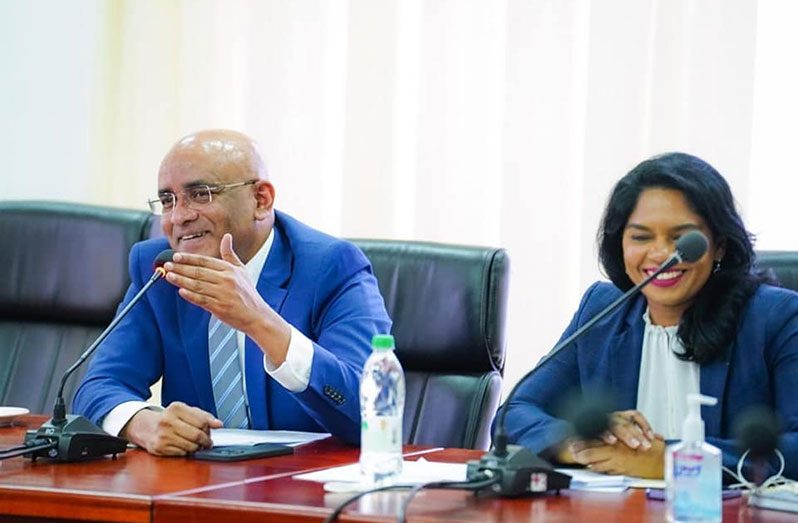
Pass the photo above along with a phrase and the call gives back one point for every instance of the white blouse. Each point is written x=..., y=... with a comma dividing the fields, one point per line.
x=665, y=380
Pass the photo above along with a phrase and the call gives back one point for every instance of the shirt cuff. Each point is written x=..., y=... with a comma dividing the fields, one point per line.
x=294, y=373
x=115, y=421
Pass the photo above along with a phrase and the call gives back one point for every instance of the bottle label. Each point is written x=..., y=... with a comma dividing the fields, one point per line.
x=381, y=434
x=687, y=465
x=696, y=492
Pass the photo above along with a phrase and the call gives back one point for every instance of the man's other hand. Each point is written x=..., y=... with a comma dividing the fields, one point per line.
x=223, y=288
x=176, y=431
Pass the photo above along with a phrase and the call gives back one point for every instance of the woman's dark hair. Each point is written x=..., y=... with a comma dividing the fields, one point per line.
x=708, y=327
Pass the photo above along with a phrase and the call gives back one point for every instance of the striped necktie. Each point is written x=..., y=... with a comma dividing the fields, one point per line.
x=228, y=387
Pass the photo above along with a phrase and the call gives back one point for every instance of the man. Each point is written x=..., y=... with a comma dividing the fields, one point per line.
x=248, y=288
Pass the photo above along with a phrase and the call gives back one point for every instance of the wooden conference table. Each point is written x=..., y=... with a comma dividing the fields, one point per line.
x=138, y=487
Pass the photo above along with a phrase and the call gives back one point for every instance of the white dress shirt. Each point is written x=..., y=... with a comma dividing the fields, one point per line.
x=665, y=380
x=293, y=374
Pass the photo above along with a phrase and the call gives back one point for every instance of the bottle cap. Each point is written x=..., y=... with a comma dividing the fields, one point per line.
x=693, y=426
x=382, y=342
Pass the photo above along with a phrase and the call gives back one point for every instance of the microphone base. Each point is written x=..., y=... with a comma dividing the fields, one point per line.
x=76, y=439
x=522, y=473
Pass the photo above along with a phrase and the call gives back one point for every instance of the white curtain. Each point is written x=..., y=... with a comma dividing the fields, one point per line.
x=499, y=123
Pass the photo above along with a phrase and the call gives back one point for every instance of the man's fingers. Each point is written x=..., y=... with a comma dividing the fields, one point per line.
x=227, y=252
x=191, y=438
x=197, y=286
x=197, y=299
x=198, y=260
x=193, y=272
x=167, y=442
x=176, y=431
x=192, y=433
x=168, y=450
x=190, y=426
x=200, y=418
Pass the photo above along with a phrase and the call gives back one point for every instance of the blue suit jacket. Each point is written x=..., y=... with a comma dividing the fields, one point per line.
x=760, y=368
x=321, y=285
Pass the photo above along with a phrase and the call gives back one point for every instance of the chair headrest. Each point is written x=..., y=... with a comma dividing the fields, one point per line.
x=784, y=265
x=65, y=261
x=448, y=303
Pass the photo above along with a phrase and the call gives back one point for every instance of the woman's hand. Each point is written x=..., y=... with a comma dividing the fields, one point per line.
x=621, y=459
x=632, y=429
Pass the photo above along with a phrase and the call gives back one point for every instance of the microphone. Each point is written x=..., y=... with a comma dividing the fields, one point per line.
x=757, y=431
x=589, y=414
x=75, y=438
x=521, y=470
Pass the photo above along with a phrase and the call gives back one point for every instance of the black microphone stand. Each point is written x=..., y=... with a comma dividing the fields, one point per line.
x=520, y=470
x=75, y=438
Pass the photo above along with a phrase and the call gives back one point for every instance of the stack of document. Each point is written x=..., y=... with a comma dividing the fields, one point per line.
x=779, y=497
x=291, y=438
x=582, y=479
x=347, y=478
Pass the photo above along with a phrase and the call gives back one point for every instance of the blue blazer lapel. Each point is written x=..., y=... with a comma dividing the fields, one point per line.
x=626, y=349
x=713, y=383
x=272, y=287
x=193, y=323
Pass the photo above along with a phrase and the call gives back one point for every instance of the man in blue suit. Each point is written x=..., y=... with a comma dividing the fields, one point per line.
x=294, y=308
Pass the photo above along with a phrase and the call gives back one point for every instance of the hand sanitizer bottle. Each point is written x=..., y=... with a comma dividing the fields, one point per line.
x=693, y=471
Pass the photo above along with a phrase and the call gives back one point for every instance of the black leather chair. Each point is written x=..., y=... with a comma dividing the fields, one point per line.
x=782, y=264
x=64, y=272
x=448, y=304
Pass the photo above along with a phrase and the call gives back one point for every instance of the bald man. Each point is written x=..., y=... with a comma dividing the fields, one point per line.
x=262, y=322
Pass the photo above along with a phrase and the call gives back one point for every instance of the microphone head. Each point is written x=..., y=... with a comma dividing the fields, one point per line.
x=163, y=257
x=757, y=430
x=692, y=246
x=588, y=413
x=591, y=420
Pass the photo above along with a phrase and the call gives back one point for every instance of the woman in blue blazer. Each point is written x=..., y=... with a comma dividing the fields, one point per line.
x=712, y=327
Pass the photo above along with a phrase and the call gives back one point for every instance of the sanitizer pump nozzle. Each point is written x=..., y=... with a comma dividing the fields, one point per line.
x=693, y=426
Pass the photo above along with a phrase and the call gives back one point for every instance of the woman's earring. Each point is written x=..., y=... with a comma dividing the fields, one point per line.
x=716, y=266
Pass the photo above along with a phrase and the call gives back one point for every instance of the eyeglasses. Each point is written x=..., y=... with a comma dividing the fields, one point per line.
x=196, y=195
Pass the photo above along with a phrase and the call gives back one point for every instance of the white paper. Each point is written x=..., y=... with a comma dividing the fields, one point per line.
x=635, y=482
x=588, y=478
x=582, y=479
x=347, y=477
x=413, y=473
x=292, y=438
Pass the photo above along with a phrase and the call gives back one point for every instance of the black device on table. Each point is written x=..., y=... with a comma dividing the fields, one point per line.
x=242, y=452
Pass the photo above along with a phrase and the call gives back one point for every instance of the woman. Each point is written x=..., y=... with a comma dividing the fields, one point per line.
x=711, y=326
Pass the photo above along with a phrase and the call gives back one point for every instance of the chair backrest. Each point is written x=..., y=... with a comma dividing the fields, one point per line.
x=64, y=273
x=783, y=264
x=448, y=305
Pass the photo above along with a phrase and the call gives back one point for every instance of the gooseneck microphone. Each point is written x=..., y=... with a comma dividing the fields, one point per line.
x=75, y=438
x=520, y=469
x=757, y=430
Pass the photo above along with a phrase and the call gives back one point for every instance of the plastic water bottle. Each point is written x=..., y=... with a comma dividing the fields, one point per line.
x=382, y=404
